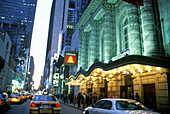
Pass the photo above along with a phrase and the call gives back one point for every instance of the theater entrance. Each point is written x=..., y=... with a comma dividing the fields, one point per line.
x=149, y=96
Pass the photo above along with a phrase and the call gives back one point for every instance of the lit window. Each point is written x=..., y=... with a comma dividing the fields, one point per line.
x=2, y=17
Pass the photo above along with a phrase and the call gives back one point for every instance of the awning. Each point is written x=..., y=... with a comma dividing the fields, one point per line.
x=129, y=65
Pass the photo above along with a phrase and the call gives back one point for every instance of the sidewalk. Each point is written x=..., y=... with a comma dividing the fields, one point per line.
x=71, y=105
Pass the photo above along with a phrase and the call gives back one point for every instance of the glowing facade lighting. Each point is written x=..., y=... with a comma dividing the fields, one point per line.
x=131, y=70
x=121, y=69
x=103, y=75
x=114, y=71
x=124, y=71
x=95, y=74
x=128, y=67
x=158, y=68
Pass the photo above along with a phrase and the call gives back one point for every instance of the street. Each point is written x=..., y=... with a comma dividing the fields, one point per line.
x=24, y=109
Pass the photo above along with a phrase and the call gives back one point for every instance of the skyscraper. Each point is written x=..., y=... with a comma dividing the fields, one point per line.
x=57, y=29
x=17, y=18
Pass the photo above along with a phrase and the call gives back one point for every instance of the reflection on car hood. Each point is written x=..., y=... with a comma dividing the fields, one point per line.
x=138, y=112
x=45, y=102
x=130, y=111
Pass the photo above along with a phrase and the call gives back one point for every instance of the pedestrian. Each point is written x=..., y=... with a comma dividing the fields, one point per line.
x=90, y=99
x=131, y=96
x=137, y=97
x=100, y=96
x=87, y=100
x=94, y=98
x=75, y=99
x=84, y=100
x=79, y=97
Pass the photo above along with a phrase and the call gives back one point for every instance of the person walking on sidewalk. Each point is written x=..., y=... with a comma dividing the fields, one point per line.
x=79, y=98
x=137, y=97
x=84, y=100
x=87, y=100
x=94, y=98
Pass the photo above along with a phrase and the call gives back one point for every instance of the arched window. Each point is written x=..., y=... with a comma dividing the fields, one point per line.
x=124, y=36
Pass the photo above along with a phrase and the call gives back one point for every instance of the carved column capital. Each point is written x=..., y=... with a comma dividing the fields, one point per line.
x=108, y=6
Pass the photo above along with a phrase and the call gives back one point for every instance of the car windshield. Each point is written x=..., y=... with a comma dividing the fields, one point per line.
x=44, y=98
x=130, y=105
x=15, y=95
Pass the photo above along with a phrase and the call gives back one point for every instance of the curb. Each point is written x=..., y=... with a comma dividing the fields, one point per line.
x=72, y=106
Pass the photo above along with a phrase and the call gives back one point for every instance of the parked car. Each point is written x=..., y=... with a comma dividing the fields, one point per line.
x=4, y=102
x=118, y=106
x=44, y=103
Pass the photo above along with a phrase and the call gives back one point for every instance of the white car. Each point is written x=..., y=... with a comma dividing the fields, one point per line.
x=118, y=106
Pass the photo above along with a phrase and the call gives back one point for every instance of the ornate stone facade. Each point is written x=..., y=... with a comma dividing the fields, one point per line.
x=112, y=29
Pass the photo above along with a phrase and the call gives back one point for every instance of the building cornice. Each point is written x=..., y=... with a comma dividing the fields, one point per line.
x=88, y=13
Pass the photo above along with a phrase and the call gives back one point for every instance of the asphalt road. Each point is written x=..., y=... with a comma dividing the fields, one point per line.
x=24, y=109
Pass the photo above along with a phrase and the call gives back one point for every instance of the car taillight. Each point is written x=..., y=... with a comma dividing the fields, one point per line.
x=57, y=105
x=18, y=98
x=0, y=101
x=33, y=105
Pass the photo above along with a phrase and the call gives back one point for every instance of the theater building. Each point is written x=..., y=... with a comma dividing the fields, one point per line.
x=124, y=48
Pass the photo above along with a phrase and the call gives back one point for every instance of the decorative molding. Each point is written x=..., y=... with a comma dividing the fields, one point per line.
x=88, y=13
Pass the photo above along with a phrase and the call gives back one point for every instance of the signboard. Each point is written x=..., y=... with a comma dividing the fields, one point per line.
x=56, y=56
x=70, y=58
x=18, y=73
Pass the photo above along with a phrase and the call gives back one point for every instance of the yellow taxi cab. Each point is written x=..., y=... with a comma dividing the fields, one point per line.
x=44, y=103
x=16, y=98
x=29, y=95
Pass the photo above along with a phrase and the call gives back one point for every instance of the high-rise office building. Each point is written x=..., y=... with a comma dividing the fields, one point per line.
x=57, y=29
x=17, y=18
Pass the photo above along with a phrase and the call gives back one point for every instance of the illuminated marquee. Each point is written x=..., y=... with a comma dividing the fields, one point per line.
x=70, y=58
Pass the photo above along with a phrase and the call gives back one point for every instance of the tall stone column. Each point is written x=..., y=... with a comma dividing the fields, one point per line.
x=150, y=41
x=79, y=54
x=134, y=31
x=92, y=43
x=84, y=50
x=107, y=32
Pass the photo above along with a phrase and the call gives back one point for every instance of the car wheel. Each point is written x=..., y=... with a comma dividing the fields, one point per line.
x=87, y=112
